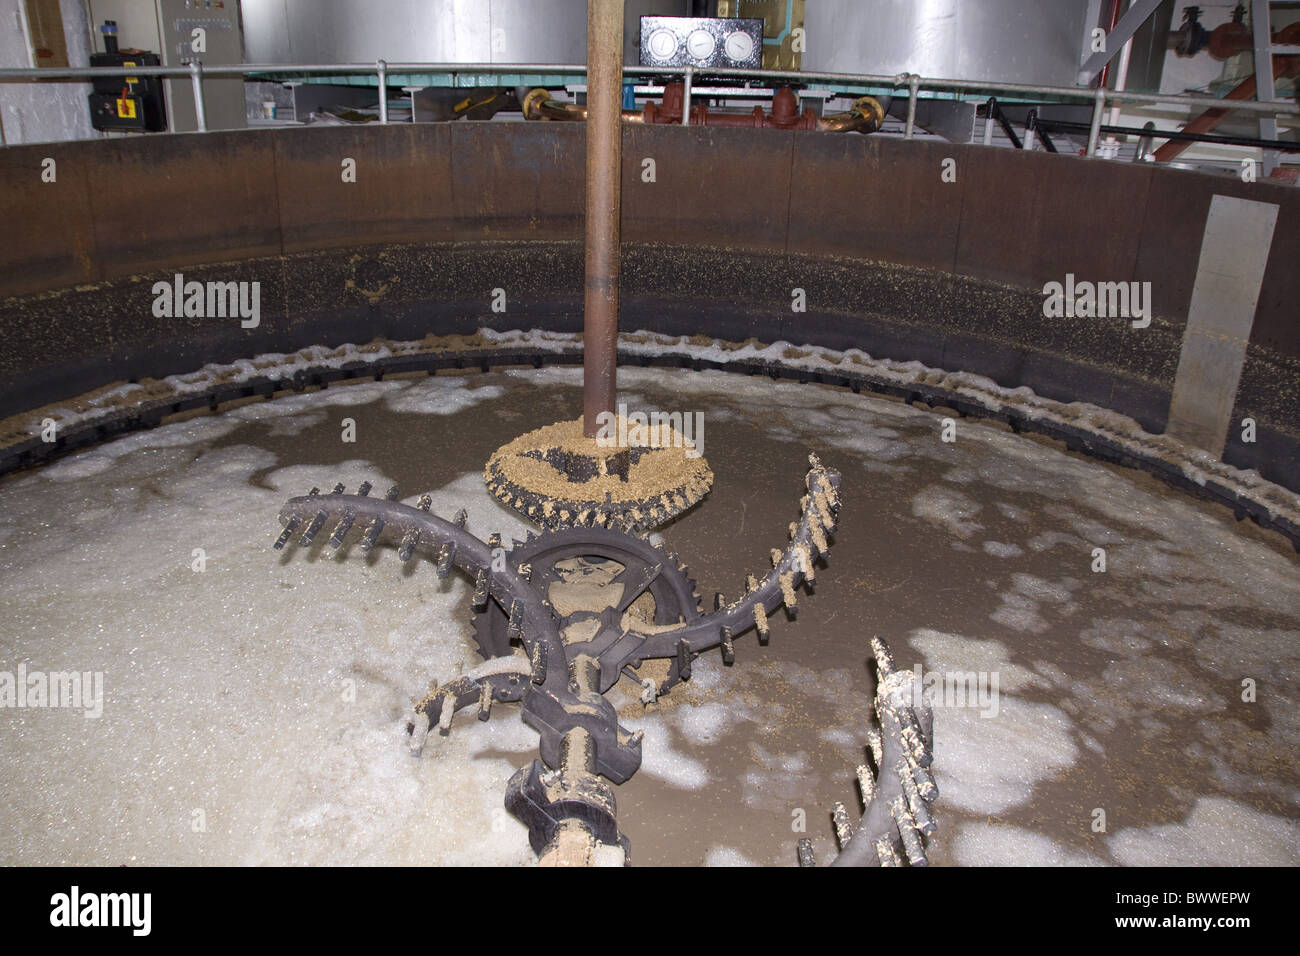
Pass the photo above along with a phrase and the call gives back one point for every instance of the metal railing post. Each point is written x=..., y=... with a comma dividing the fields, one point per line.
x=382, y=69
x=913, y=88
x=1094, y=133
x=1264, y=87
x=686, y=96
x=200, y=113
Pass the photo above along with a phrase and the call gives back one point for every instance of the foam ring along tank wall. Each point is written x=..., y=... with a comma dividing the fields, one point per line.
x=893, y=260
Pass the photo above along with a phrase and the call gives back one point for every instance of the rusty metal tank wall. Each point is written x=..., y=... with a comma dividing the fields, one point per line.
x=893, y=260
x=1011, y=41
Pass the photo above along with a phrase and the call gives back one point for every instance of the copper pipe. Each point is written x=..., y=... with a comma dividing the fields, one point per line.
x=1114, y=20
x=865, y=116
x=539, y=105
x=1232, y=38
x=1245, y=90
x=1283, y=66
x=604, y=179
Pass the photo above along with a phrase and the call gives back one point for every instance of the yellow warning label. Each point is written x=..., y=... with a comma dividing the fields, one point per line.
x=131, y=79
x=126, y=109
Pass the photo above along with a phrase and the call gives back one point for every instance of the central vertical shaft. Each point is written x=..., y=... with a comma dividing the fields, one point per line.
x=604, y=178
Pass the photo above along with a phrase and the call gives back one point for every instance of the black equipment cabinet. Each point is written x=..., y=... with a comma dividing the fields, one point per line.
x=132, y=103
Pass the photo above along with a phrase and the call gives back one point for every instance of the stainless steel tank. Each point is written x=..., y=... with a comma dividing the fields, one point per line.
x=431, y=31
x=1013, y=41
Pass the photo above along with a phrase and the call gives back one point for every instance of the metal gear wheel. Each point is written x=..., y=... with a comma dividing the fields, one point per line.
x=591, y=574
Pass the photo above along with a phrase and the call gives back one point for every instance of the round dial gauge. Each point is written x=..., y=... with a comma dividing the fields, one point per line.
x=701, y=44
x=662, y=43
x=739, y=46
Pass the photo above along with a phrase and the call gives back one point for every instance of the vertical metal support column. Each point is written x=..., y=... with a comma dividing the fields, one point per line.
x=604, y=180
x=381, y=68
x=687, y=83
x=1260, y=22
x=200, y=113
x=913, y=88
x=1094, y=133
x=410, y=92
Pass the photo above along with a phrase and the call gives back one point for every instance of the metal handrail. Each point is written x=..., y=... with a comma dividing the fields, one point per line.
x=1100, y=98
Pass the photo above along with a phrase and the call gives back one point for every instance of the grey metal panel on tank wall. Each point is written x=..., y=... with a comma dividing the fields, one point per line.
x=1013, y=41
x=223, y=97
x=429, y=31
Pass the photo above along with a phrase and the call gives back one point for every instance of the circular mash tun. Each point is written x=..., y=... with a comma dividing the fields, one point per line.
x=1005, y=509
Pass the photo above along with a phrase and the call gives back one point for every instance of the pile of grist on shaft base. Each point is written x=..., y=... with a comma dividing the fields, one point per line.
x=557, y=477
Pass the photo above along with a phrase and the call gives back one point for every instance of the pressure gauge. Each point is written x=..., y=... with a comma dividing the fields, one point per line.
x=739, y=46
x=701, y=44
x=662, y=44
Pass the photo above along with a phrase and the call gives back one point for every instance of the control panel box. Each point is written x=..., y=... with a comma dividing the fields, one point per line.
x=132, y=103
x=183, y=32
x=702, y=42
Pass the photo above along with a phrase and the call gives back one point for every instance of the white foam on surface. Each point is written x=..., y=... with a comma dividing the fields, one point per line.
x=266, y=697
x=1020, y=613
x=999, y=844
x=987, y=765
x=949, y=509
x=845, y=740
x=1012, y=511
x=441, y=395
x=705, y=723
x=1001, y=549
x=778, y=781
x=661, y=758
x=956, y=653
x=1218, y=830
x=726, y=856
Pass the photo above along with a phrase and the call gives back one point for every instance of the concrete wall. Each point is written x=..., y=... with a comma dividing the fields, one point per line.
x=52, y=112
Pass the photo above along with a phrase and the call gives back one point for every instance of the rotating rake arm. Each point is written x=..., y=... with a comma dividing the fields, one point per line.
x=896, y=798
x=387, y=520
x=561, y=699
x=498, y=679
x=415, y=530
x=809, y=540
